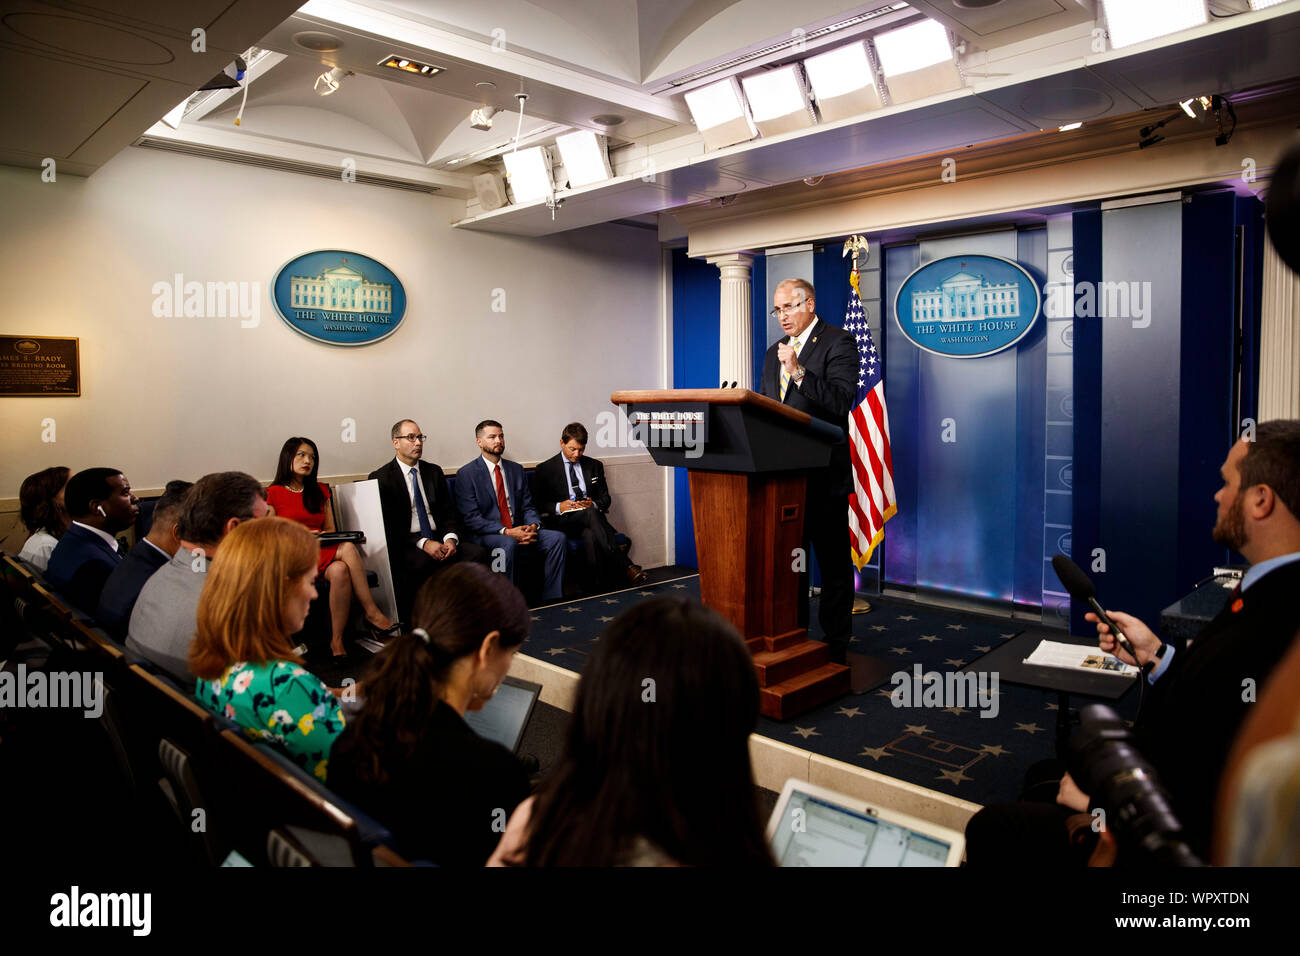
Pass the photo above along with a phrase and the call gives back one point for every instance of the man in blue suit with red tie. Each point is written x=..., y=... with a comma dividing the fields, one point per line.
x=496, y=507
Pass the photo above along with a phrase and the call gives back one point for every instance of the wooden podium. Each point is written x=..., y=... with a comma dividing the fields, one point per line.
x=747, y=456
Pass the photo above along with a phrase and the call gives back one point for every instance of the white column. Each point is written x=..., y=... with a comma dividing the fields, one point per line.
x=736, y=358
x=1279, y=346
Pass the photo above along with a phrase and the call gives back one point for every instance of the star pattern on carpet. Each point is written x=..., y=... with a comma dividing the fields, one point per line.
x=604, y=620
x=680, y=587
x=954, y=662
x=875, y=753
x=806, y=732
x=535, y=618
x=886, y=693
x=610, y=601
x=906, y=617
x=646, y=593
x=996, y=750
x=919, y=729
x=929, y=637
x=1005, y=636
x=556, y=650
x=879, y=627
x=573, y=610
x=1029, y=728
x=953, y=776
x=563, y=628
x=853, y=640
x=849, y=712
x=901, y=650
x=955, y=627
x=1051, y=706
x=983, y=648
x=956, y=711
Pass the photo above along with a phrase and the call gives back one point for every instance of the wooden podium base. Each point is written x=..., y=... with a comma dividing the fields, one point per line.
x=795, y=674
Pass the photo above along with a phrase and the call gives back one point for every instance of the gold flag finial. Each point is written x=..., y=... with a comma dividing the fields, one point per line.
x=858, y=246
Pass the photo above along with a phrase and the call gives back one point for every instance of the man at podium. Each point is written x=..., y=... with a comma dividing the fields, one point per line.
x=814, y=368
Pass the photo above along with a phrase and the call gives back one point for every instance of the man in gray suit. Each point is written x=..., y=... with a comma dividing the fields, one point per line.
x=163, y=621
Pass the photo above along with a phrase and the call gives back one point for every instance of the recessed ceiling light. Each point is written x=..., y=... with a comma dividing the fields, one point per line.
x=405, y=65
x=607, y=119
x=317, y=42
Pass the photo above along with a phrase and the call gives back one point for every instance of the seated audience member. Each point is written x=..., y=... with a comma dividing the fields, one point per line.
x=296, y=494
x=40, y=502
x=243, y=661
x=496, y=507
x=101, y=505
x=149, y=554
x=162, y=622
x=655, y=771
x=1258, y=823
x=421, y=525
x=569, y=491
x=1195, y=704
x=408, y=757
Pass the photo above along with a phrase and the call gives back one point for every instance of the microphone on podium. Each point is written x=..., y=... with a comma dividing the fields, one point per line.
x=1081, y=588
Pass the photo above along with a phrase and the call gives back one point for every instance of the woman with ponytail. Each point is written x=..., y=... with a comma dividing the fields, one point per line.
x=408, y=757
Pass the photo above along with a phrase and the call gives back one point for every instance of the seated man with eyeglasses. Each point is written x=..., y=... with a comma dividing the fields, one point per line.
x=421, y=523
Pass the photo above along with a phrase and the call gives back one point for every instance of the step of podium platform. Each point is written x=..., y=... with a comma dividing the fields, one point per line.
x=778, y=643
x=793, y=696
x=776, y=666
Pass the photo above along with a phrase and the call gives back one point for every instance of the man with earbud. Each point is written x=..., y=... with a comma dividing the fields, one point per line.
x=101, y=505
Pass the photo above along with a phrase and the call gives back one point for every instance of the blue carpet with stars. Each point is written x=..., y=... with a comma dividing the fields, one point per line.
x=952, y=750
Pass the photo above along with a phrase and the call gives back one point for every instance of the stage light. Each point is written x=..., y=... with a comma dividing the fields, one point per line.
x=328, y=82
x=778, y=100
x=917, y=60
x=1128, y=22
x=481, y=118
x=1067, y=127
x=585, y=158
x=1264, y=4
x=529, y=174
x=842, y=82
x=720, y=114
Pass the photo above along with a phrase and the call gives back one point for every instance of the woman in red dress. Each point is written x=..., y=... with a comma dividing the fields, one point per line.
x=296, y=494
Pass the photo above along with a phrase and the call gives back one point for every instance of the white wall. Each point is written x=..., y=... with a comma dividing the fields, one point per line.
x=179, y=397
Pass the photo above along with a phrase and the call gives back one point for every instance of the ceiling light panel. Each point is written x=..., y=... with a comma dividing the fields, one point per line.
x=720, y=114
x=913, y=47
x=529, y=174
x=778, y=100
x=585, y=158
x=842, y=82
x=1128, y=22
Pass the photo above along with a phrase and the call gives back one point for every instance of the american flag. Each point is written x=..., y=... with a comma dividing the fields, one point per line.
x=872, y=502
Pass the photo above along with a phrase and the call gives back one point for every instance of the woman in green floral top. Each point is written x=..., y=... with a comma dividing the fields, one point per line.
x=258, y=593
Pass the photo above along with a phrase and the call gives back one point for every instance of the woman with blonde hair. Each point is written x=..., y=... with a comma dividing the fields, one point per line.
x=256, y=595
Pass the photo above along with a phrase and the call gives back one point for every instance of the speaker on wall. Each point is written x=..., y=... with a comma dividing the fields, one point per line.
x=491, y=191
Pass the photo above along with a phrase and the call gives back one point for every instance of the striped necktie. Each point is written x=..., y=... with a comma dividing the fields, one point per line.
x=785, y=376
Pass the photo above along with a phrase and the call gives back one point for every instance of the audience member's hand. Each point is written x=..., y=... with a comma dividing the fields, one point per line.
x=435, y=549
x=530, y=534
x=1069, y=794
x=449, y=548
x=585, y=503
x=566, y=506
x=518, y=532
x=1139, y=635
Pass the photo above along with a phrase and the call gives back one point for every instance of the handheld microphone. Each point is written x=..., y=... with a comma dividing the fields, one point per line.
x=1081, y=588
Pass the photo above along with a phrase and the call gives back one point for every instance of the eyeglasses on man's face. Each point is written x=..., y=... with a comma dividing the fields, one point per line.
x=779, y=310
x=413, y=438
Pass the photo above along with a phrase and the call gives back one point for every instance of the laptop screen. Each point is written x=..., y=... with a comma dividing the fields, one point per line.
x=504, y=717
x=816, y=832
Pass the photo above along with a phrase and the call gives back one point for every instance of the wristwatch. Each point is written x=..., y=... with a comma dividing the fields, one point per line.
x=799, y=372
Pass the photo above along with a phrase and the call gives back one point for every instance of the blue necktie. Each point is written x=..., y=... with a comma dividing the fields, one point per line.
x=421, y=512
x=574, y=488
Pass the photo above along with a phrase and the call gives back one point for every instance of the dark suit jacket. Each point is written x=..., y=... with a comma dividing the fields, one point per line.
x=79, y=565
x=826, y=392
x=395, y=501
x=1191, y=714
x=476, y=497
x=551, y=483
x=123, y=586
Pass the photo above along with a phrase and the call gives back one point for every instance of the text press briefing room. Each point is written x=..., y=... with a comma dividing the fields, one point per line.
x=934, y=363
